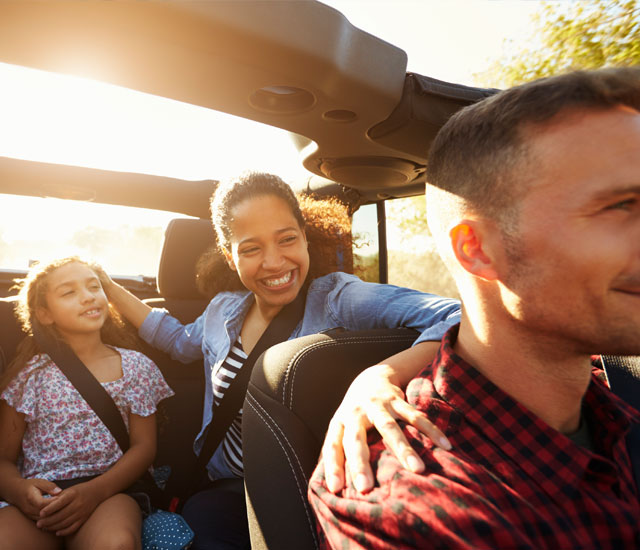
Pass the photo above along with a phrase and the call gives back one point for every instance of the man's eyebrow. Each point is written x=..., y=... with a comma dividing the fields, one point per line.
x=617, y=191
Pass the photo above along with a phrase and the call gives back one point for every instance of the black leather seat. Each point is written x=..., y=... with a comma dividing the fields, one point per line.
x=294, y=390
x=185, y=241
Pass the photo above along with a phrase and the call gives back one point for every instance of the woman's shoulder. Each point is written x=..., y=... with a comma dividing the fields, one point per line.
x=226, y=304
x=228, y=297
x=332, y=280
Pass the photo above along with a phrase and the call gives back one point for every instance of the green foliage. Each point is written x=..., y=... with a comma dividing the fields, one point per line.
x=587, y=34
x=409, y=214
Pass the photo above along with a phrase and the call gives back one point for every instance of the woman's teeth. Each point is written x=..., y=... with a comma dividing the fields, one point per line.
x=277, y=282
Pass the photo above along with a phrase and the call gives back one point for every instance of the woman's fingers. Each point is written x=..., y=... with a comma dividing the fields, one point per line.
x=404, y=411
x=356, y=453
x=333, y=456
x=395, y=440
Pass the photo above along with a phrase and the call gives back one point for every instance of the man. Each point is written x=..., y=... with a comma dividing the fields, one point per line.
x=534, y=201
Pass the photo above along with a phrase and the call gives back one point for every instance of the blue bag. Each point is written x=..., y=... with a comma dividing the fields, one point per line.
x=163, y=530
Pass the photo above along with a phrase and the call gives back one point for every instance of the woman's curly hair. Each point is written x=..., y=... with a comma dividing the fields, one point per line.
x=326, y=222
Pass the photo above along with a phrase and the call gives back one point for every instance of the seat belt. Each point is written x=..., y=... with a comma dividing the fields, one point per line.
x=97, y=398
x=623, y=375
x=279, y=330
x=87, y=385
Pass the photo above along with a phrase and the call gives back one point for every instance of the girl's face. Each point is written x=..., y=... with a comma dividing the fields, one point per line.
x=269, y=251
x=75, y=301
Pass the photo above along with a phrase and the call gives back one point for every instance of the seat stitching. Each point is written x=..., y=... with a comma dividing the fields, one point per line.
x=300, y=492
x=331, y=343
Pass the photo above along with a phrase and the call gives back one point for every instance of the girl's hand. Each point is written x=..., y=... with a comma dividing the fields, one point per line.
x=66, y=513
x=372, y=400
x=30, y=496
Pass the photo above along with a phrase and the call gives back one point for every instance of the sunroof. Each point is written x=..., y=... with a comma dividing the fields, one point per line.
x=69, y=120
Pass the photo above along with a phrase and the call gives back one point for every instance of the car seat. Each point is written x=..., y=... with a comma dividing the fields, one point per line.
x=294, y=390
x=186, y=239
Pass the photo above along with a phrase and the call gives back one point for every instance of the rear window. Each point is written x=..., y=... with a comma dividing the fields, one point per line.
x=124, y=240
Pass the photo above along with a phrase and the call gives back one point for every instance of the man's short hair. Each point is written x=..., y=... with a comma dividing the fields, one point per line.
x=479, y=152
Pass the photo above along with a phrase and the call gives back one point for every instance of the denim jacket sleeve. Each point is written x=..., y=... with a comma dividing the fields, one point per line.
x=182, y=342
x=357, y=305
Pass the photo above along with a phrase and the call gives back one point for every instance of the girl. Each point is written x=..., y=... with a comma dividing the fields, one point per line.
x=261, y=238
x=49, y=436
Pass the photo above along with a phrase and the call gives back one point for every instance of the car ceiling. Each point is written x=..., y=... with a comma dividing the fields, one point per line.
x=357, y=117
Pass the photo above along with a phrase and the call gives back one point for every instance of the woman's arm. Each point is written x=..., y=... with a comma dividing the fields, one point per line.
x=66, y=513
x=129, y=306
x=376, y=399
x=26, y=494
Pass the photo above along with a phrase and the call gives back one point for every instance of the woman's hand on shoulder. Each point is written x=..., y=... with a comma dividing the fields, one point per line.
x=375, y=399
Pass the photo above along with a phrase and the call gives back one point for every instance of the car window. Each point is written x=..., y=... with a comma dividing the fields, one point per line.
x=124, y=240
x=413, y=259
x=364, y=228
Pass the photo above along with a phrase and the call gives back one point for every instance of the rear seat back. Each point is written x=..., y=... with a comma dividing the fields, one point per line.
x=294, y=390
x=185, y=241
x=11, y=333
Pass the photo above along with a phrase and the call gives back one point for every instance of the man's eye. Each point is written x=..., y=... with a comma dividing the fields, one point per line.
x=67, y=293
x=626, y=204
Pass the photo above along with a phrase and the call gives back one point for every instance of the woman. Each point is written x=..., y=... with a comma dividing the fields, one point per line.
x=261, y=237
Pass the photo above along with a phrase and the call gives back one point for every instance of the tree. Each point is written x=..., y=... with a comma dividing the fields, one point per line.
x=588, y=34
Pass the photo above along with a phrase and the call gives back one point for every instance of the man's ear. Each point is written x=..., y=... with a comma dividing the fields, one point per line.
x=44, y=316
x=229, y=258
x=471, y=249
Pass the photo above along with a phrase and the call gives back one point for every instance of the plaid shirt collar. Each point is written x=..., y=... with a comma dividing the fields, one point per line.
x=544, y=453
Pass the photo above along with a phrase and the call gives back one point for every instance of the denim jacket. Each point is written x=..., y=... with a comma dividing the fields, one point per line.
x=333, y=301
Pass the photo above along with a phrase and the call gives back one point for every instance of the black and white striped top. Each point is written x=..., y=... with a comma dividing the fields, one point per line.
x=232, y=443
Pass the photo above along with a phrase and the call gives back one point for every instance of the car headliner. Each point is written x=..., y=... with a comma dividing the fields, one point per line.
x=357, y=117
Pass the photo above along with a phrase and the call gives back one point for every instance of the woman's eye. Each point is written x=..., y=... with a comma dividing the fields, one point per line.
x=289, y=239
x=67, y=293
x=247, y=251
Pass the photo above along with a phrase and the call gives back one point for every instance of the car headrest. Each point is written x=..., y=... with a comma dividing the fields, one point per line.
x=185, y=240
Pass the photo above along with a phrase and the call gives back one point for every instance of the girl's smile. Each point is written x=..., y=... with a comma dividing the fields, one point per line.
x=76, y=302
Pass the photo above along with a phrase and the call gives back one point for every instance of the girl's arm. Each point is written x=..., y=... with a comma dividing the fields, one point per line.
x=26, y=494
x=376, y=399
x=66, y=513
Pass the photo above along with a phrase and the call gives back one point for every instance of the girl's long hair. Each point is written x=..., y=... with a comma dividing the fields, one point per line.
x=32, y=295
x=326, y=222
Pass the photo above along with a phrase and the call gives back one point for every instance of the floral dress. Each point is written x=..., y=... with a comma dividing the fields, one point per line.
x=64, y=438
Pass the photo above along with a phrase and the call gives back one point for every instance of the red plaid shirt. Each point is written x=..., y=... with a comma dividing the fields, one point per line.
x=510, y=481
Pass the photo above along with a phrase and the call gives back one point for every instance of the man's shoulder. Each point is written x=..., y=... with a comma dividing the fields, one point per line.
x=449, y=505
